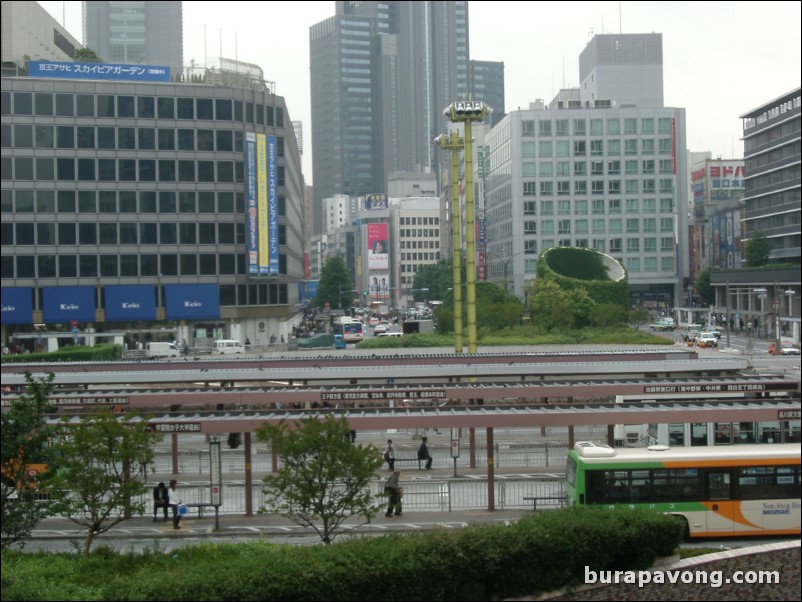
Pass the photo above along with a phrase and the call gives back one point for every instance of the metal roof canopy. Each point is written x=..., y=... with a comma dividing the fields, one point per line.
x=193, y=373
x=505, y=416
x=648, y=388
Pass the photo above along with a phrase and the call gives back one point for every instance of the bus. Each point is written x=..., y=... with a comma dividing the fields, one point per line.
x=733, y=491
x=349, y=328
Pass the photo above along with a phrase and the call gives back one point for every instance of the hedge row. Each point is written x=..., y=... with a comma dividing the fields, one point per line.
x=71, y=353
x=539, y=553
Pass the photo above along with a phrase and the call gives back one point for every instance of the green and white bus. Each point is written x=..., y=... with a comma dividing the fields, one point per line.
x=731, y=491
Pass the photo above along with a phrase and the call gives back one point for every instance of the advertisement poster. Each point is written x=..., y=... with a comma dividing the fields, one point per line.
x=378, y=255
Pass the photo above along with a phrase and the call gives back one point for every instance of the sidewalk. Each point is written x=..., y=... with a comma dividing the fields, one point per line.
x=269, y=525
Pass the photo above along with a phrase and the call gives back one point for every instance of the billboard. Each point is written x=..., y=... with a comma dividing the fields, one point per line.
x=376, y=201
x=105, y=71
x=66, y=304
x=252, y=211
x=129, y=302
x=17, y=306
x=192, y=301
x=261, y=195
x=379, y=286
x=378, y=255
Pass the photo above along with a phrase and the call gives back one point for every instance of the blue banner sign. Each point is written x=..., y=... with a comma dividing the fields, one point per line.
x=192, y=301
x=65, y=304
x=130, y=302
x=106, y=71
x=17, y=304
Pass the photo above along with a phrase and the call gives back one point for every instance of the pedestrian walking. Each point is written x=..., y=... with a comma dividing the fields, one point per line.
x=394, y=490
x=423, y=453
x=389, y=455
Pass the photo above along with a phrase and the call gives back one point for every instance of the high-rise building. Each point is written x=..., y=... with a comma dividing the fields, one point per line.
x=142, y=32
x=486, y=82
x=381, y=75
x=593, y=172
x=625, y=67
x=771, y=155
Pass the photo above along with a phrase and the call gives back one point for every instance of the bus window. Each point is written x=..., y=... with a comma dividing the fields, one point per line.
x=718, y=484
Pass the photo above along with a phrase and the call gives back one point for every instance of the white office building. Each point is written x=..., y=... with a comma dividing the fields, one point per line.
x=609, y=174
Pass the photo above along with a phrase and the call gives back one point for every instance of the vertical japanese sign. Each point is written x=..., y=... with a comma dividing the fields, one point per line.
x=264, y=233
x=252, y=223
x=272, y=204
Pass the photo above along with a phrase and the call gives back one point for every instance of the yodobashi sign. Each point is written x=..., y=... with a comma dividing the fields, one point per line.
x=68, y=303
x=129, y=302
x=192, y=301
x=17, y=306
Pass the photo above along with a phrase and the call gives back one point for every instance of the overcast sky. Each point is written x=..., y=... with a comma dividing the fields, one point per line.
x=720, y=60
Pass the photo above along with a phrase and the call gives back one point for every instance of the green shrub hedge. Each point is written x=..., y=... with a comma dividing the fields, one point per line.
x=72, y=353
x=540, y=553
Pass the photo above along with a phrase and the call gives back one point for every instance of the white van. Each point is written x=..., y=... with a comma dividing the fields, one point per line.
x=161, y=350
x=228, y=346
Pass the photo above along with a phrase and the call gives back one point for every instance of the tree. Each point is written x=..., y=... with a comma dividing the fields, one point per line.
x=638, y=316
x=703, y=287
x=335, y=284
x=553, y=307
x=606, y=315
x=324, y=477
x=24, y=449
x=437, y=278
x=87, y=55
x=94, y=480
x=757, y=250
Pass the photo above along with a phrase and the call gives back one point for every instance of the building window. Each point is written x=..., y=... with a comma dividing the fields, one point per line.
x=544, y=128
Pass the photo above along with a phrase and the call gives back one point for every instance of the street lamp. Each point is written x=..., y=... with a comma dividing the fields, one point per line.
x=789, y=294
x=455, y=144
x=466, y=112
x=761, y=294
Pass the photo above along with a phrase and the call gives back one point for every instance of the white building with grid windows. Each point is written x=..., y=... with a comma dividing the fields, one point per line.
x=609, y=174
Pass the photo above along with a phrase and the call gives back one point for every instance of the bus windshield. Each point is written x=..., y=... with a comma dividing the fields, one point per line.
x=350, y=329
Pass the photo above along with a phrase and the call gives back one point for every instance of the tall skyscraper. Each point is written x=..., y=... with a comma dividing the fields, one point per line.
x=381, y=75
x=147, y=33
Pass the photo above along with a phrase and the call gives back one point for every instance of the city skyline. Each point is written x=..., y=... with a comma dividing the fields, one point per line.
x=716, y=78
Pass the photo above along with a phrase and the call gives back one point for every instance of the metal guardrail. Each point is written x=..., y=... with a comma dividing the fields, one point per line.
x=546, y=454
x=432, y=495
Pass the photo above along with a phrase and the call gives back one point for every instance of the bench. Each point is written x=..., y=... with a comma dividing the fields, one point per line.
x=415, y=459
x=546, y=498
x=199, y=507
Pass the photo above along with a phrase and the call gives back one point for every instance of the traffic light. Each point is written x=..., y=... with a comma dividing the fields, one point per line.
x=234, y=440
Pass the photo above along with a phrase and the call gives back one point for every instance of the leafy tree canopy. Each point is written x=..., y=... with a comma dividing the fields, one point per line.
x=24, y=449
x=703, y=287
x=438, y=278
x=335, y=284
x=324, y=478
x=96, y=461
x=757, y=250
x=87, y=55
